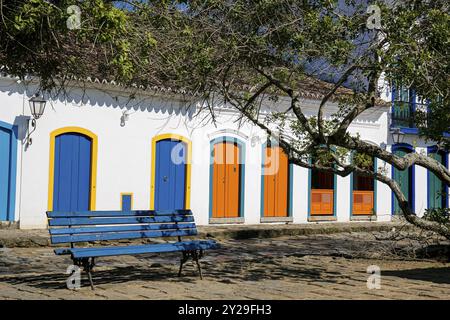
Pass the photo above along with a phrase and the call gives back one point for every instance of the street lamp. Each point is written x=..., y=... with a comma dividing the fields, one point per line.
x=37, y=108
x=397, y=135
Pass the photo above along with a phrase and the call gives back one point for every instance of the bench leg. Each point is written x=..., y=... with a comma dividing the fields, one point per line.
x=183, y=260
x=87, y=267
x=196, y=257
x=90, y=280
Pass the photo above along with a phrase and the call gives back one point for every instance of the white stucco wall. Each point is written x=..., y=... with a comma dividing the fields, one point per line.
x=124, y=152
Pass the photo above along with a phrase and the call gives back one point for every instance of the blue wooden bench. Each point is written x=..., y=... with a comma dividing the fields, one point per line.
x=93, y=226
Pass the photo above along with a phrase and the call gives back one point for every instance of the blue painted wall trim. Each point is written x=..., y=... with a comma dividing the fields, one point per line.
x=309, y=191
x=261, y=201
x=406, y=146
x=375, y=189
x=447, y=158
x=241, y=146
x=351, y=194
x=291, y=189
x=394, y=92
x=409, y=130
x=12, y=169
x=410, y=148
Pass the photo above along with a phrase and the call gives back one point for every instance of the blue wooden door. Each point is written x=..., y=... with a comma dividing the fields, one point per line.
x=436, y=188
x=170, y=180
x=72, y=180
x=5, y=172
x=404, y=179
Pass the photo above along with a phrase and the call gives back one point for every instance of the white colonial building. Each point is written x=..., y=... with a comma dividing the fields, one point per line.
x=97, y=149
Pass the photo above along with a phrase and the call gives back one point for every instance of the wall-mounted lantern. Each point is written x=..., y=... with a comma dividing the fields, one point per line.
x=37, y=108
x=397, y=135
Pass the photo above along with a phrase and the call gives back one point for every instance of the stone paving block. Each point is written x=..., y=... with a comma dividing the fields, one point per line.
x=294, y=267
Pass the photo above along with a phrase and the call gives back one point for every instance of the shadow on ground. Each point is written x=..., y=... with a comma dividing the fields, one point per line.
x=435, y=275
x=236, y=261
x=115, y=276
x=259, y=269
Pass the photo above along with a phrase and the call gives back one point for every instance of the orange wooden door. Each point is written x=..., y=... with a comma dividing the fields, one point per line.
x=322, y=201
x=363, y=202
x=226, y=180
x=276, y=182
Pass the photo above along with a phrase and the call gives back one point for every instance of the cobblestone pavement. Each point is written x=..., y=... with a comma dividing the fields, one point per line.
x=300, y=267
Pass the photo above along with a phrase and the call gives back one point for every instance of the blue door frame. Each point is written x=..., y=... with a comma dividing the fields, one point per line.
x=8, y=170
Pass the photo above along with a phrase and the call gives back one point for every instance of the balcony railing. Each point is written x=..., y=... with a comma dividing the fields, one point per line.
x=403, y=115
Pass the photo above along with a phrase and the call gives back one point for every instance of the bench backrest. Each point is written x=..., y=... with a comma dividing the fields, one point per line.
x=87, y=226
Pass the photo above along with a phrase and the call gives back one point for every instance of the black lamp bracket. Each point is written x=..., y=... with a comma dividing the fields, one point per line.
x=29, y=140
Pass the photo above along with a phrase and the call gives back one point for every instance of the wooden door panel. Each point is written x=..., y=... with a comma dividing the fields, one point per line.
x=219, y=182
x=226, y=180
x=170, y=186
x=269, y=184
x=232, y=180
x=363, y=202
x=276, y=182
x=322, y=201
x=5, y=156
x=72, y=177
x=282, y=184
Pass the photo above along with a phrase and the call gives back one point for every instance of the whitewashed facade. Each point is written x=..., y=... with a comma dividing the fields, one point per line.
x=124, y=155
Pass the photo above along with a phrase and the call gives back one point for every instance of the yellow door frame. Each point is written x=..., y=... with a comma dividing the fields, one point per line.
x=94, y=146
x=187, y=192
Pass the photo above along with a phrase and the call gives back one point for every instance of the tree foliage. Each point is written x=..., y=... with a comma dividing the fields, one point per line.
x=248, y=54
x=35, y=40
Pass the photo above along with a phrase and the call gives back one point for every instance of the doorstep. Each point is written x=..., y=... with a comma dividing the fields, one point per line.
x=322, y=219
x=226, y=220
x=276, y=219
x=9, y=225
x=363, y=218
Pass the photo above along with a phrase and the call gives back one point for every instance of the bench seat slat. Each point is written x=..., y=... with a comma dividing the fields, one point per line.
x=121, y=235
x=80, y=214
x=130, y=250
x=119, y=228
x=127, y=220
